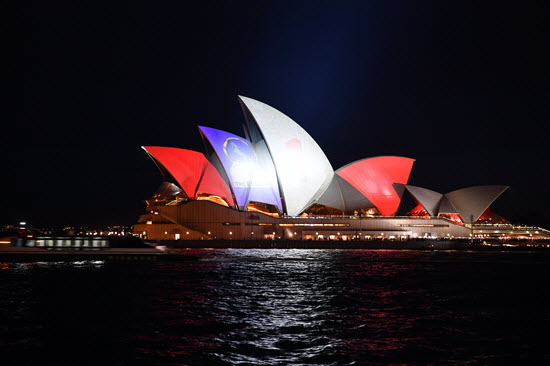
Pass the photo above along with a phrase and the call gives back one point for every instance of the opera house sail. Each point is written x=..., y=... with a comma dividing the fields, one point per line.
x=303, y=170
x=276, y=182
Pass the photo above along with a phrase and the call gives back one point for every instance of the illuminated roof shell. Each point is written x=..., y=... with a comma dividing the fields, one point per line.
x=375, y=178
x=446, y=207
x=249, y=176
x=429, y=199
x=190, y=170
x=303, y=170
x=471, y=202
x=343, y=196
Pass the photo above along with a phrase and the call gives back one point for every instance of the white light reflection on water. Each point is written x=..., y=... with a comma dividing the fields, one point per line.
x=26, y=266
x=286, y=295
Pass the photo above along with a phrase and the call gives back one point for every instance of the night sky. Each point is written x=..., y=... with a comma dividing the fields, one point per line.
x=460, y=87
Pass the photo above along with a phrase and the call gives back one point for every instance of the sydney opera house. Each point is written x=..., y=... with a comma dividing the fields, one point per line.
x=276, y=182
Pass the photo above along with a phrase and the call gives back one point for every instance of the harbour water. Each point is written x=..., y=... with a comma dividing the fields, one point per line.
x=280, y=307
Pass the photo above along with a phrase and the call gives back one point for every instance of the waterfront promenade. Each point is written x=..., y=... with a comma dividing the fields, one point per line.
x=171, y=250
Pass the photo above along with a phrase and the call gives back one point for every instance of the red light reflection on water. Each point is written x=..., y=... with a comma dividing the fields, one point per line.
x=377, y=317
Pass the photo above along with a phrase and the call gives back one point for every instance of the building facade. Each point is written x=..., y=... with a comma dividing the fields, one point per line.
x=276, y=182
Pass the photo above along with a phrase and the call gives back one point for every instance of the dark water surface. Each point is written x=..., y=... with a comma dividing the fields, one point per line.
x=280, y=307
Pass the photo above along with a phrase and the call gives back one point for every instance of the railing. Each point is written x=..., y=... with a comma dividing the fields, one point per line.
x=364, y=217
x=511, y=227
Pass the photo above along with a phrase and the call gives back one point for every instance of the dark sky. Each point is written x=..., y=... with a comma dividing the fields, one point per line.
x=458, y=86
